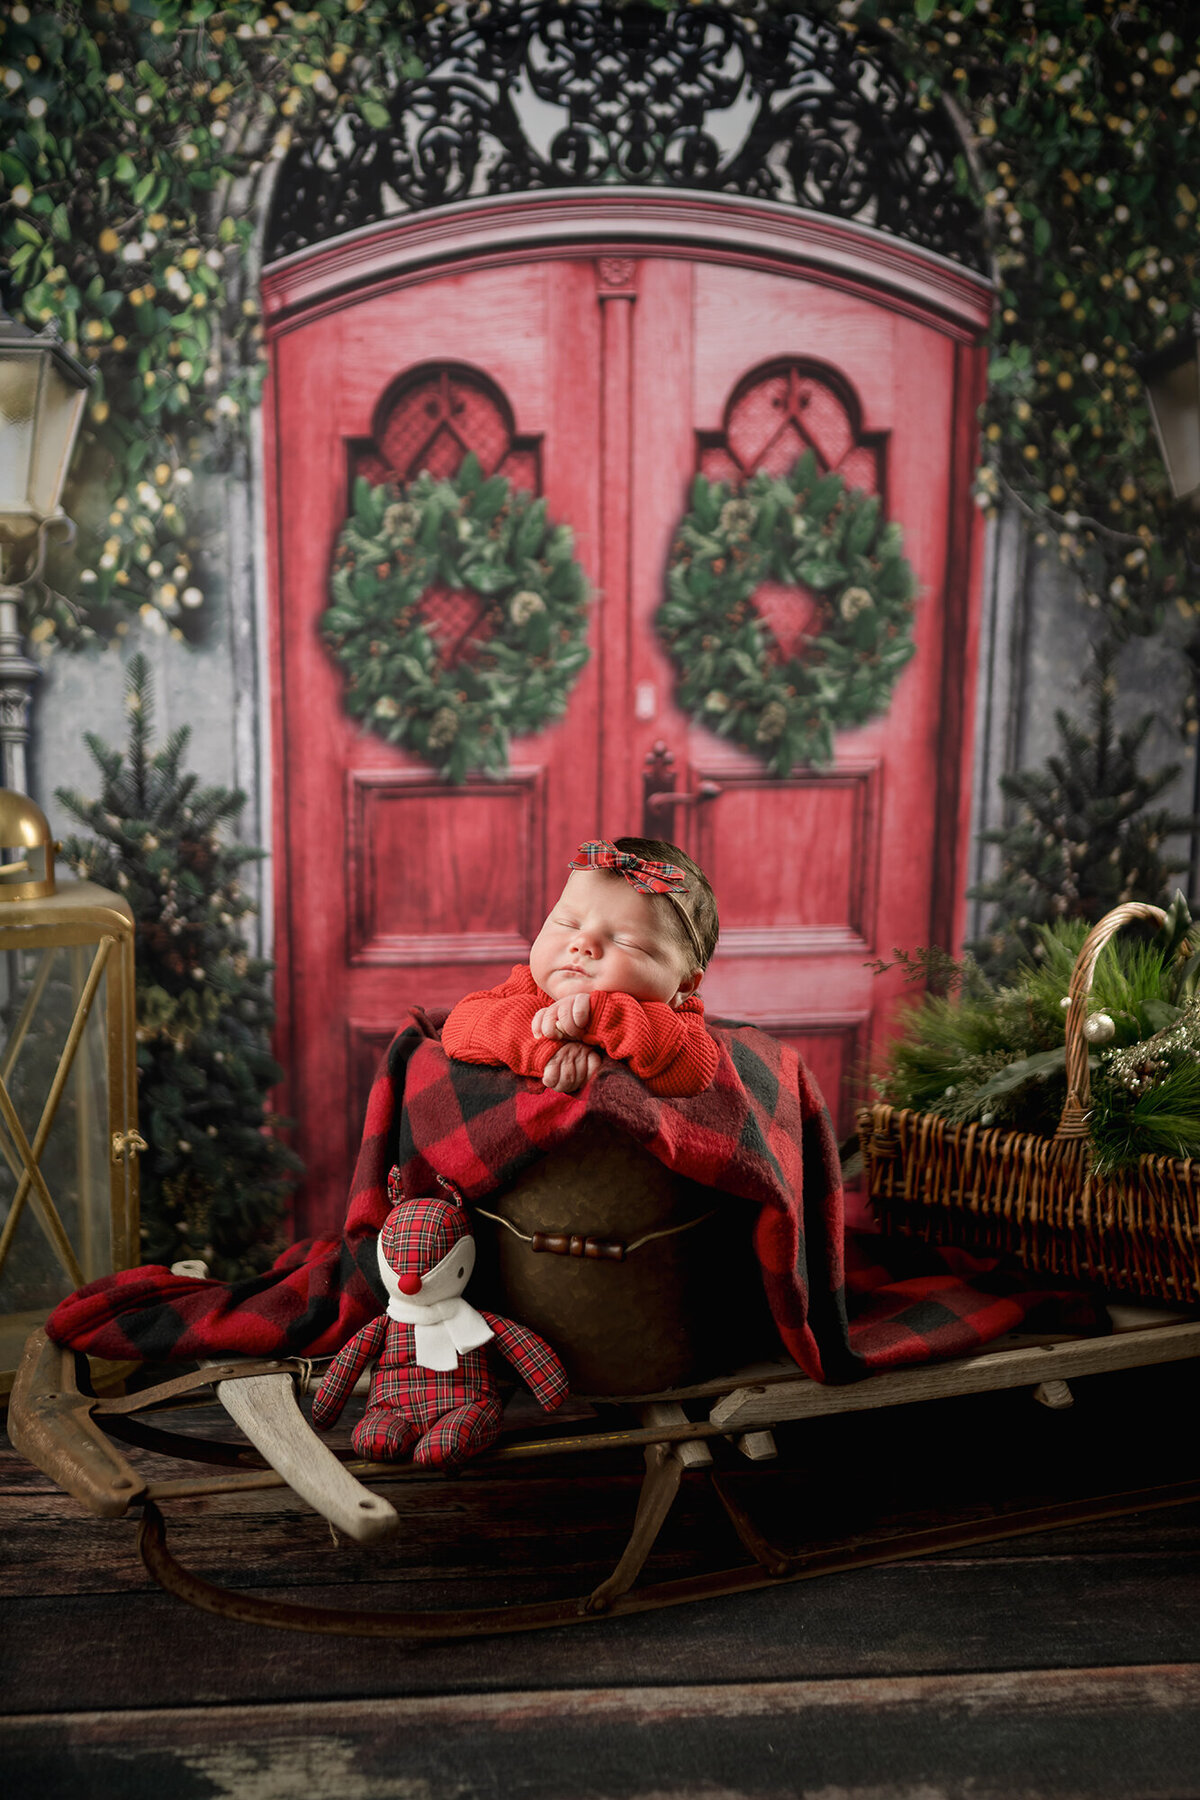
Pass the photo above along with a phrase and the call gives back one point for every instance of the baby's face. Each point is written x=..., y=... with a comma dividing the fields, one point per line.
x=605, y=937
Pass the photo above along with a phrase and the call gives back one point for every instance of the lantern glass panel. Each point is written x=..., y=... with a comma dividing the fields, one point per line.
x=56, y=1225
x=58, y=422
x=18, y=415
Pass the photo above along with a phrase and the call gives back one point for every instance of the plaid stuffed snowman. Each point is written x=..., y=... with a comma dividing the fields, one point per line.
x=432, y=1394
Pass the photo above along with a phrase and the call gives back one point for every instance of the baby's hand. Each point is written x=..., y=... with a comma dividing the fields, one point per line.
x=570, y=1067
x=563, y=1018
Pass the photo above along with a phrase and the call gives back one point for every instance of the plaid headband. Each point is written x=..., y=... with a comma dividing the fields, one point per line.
x=646, y=876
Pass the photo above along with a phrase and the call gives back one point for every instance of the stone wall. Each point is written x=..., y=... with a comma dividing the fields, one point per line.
x=218, y=686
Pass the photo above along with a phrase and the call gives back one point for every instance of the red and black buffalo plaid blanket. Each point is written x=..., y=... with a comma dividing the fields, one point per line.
x=759, y=1131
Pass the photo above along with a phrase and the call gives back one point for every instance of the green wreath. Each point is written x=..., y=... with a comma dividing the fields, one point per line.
x=733, y=676
x=515, y=661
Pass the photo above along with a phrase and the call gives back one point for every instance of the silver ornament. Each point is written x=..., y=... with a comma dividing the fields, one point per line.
x=1098, y=1028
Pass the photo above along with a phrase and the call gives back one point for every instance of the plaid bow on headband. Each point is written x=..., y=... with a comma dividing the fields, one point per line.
x=646, y=876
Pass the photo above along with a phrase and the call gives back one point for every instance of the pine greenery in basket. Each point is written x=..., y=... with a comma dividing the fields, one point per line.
x=215, y=1178
x=995, y=1053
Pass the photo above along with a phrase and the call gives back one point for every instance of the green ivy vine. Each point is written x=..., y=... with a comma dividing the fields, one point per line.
x=134, y=133
x=1080, y=128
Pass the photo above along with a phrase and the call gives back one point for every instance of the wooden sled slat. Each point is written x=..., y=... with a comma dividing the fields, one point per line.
x=265, y=1408
x=752, y=1407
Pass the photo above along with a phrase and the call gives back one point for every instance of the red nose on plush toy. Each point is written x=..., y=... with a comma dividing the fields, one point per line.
x=409, y=1284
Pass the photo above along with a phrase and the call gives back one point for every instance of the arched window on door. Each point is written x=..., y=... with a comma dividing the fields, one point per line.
x=781, y=409
x=431, y=417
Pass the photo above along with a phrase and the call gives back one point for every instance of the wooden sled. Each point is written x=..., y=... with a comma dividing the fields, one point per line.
x=75, y=1438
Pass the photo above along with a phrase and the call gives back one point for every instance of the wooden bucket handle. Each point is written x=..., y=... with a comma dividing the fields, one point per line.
x=1073, y=1123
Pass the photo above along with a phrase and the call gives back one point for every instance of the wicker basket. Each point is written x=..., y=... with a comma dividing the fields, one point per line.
x=1035, y=1197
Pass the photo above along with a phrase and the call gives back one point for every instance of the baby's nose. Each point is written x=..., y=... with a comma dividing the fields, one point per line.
x=409, y=1284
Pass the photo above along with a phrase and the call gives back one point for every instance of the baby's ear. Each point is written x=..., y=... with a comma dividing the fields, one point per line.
x=687, y=987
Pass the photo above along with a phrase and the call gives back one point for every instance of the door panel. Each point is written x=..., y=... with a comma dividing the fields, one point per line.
x=444, y=875
x=775, y=902
x=811, y=873
x=395, y=888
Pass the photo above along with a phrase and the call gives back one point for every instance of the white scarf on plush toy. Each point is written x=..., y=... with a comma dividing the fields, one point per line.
x=443, y=1329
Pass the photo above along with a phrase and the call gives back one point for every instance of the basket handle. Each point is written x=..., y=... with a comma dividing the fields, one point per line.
x=1073, y=1123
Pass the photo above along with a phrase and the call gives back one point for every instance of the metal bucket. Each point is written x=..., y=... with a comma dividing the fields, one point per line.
x=640, y=1278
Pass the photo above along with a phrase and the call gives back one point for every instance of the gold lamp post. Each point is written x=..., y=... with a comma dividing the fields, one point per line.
x=68, y=1066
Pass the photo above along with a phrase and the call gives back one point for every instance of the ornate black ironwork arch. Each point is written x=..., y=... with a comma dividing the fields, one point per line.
x=536, y=95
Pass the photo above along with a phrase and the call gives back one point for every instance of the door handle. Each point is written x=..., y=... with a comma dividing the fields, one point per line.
x=661, y=802
x=659, y=793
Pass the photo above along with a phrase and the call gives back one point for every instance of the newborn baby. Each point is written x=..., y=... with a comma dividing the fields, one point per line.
x=614, y=969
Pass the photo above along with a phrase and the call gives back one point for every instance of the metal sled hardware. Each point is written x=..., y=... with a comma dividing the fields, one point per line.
x=75, y=1438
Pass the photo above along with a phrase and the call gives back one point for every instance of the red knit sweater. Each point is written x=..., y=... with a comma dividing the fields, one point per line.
x=668, y=1047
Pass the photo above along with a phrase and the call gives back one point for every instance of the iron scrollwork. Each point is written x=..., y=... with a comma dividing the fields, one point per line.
x=537, y=95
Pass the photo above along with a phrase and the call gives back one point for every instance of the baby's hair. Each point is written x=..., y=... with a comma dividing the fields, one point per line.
x=699, y=903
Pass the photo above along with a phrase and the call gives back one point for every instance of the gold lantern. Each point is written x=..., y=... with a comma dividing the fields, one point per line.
x=68, y=1081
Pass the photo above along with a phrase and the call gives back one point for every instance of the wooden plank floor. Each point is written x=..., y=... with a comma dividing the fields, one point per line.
x=1063, y=1665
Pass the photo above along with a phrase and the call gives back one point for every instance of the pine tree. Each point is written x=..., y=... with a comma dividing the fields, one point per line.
x=215, y=1177
x=1083, y=839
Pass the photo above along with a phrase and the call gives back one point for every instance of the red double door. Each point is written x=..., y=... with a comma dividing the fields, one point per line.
x=604, y=375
